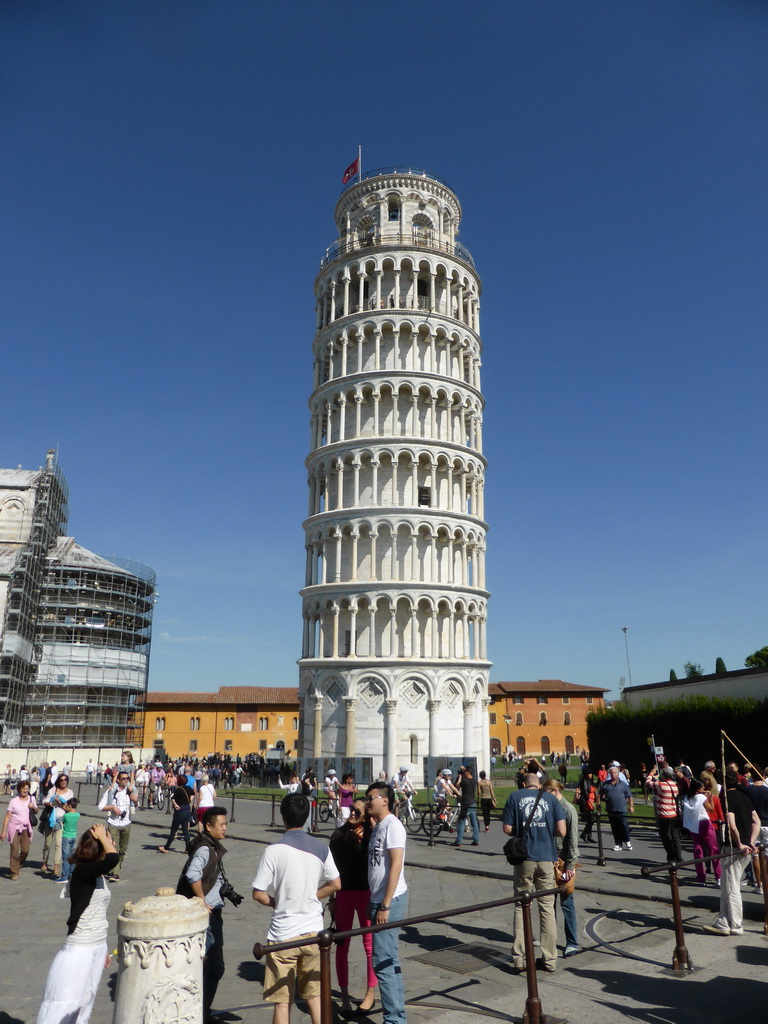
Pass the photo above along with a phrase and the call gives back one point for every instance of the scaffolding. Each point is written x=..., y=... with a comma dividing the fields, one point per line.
x=93, y=642
x=19, y=627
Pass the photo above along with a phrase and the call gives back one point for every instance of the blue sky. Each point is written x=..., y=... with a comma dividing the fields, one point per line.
x=169, y=172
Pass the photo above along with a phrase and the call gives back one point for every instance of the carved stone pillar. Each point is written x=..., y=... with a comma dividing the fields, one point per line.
x=349, y=741
x=317, y=735
x=433, y=706
x=161, y=944
x=468, y=707
x=391, y=766
x=486, y=739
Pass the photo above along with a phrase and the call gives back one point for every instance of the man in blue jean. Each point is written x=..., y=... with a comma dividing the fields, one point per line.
x=467, y=808
x=389, y=897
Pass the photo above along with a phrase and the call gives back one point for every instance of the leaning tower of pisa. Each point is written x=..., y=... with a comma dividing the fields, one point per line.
x=394, y=663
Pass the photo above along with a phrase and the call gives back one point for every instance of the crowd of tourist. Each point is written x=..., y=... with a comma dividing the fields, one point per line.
x=361, y=870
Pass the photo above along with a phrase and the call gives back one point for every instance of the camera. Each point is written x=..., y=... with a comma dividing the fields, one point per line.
x=228, y=892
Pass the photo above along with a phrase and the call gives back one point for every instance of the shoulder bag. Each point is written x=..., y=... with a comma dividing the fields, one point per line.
x=516, y=847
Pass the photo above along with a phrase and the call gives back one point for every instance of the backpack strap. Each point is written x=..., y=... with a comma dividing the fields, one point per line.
x=533, y=811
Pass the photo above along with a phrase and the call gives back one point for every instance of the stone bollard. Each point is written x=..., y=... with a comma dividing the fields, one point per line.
x=161, y=944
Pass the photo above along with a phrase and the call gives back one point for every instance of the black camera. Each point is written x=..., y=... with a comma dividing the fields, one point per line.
x=228, y=892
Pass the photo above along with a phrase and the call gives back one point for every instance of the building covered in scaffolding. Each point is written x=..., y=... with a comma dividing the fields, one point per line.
x=76, y=627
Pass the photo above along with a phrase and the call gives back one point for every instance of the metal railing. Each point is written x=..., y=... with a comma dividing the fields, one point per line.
x=420, y=240
x=681, y=959
x=326, y=938
x=415, y=172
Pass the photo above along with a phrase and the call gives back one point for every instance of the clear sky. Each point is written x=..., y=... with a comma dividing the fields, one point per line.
x=168, y=177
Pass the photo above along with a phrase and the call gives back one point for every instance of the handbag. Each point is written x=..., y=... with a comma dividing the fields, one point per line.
x=516, y=847
x=32, y=818
x=571, y=883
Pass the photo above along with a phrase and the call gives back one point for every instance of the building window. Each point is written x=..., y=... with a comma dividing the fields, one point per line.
x=263, y=723
x=194, y=724
x=567, y=718
x=520, y=746
x=425, y=496
x=414, y=749
x=281, y=719
x=159, y=724
x=588, y=700
x=517, y=700
x=229, y=723
x=394, y=209
x=566, y=700
x=545, y=745
x=519, y=718
x=492, y=718
x=569, y=744
x=227, y=745
x=295, y=721
x=542, y=700
x=192, y=746
x=543, y=718
x=262, y=744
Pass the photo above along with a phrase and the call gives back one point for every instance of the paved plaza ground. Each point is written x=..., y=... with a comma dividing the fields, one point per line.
x=621, y=974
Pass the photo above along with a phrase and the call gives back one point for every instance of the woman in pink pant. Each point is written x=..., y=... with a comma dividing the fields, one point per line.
x=696, y=820
x=349, y=848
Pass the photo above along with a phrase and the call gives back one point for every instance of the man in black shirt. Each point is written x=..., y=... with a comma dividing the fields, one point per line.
x=758, y=794
x=467, y=808
x=742, y=830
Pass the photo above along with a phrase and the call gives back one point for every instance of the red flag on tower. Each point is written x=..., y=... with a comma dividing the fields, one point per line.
x=351, y=171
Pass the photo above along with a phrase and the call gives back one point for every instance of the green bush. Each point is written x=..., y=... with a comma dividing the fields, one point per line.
x=687, y=727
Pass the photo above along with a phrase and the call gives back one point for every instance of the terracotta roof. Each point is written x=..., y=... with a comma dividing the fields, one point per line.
x=227, y=695
x=541, y=686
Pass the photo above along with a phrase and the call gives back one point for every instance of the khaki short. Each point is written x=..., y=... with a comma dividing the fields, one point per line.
x=285, y=968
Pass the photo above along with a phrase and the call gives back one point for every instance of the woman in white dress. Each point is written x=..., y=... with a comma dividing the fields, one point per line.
x=70, y=988
x=204, y=798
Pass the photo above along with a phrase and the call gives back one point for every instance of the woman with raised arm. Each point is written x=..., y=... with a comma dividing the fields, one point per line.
x=70, y=988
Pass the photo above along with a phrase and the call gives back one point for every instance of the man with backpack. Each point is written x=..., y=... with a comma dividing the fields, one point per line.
x=203, y=876
x=538, y=816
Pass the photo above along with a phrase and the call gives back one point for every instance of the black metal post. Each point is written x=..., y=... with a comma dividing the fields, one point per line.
x=325, y=941
x=533, y=1014
x=232, y=812
x=431, y=825
x=681, y=960
x=600, y=851
x=272, y=823
x=763, y=861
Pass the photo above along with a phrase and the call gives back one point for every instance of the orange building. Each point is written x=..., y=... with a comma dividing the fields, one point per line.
x=233, y=720
x=545, y=717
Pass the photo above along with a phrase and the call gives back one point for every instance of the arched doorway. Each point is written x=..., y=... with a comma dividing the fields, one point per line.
x=545, y=746
x=569, y=744
x=520, y=746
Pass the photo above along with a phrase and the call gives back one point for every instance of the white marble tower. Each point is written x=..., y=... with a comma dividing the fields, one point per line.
x=394, y=663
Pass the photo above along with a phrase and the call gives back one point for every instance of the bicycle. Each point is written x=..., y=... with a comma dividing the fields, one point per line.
x=408, y=816
x=160, y=797
x=444, y=818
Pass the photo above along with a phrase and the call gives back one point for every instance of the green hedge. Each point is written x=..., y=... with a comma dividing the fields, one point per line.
x=688, y=727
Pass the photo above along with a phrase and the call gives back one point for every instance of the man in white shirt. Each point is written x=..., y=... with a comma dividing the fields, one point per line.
x=90, y=768
x=389, y=897
x=119, y=800
x=293, y=875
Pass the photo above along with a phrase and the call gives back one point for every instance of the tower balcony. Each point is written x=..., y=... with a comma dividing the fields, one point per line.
x=414, y=238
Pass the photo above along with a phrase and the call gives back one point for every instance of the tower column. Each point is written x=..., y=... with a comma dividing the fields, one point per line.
x=468, y=707
x=317, y=738
x=433, y=706
x=350, y=742
x=391, y=765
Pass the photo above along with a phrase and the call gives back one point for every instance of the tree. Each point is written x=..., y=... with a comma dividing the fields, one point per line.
x=720, y=667
x=692, y=669
x=672, y=676
x=757, y=660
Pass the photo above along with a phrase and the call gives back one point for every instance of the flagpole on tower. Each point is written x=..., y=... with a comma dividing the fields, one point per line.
x=360, y=162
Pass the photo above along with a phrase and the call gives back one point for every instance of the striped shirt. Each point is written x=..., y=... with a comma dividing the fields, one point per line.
x=666, y=793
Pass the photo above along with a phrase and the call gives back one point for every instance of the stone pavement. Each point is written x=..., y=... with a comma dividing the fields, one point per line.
x=622, y=972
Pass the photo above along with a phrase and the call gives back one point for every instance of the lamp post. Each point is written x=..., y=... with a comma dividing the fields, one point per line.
x=626, y=648
x=507, y=720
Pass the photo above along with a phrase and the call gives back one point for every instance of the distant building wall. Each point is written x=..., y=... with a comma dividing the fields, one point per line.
x=746, y=682
x=541, y=718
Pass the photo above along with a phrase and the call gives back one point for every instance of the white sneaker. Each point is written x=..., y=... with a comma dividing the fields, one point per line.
x=617, y=847
x=628, y=846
